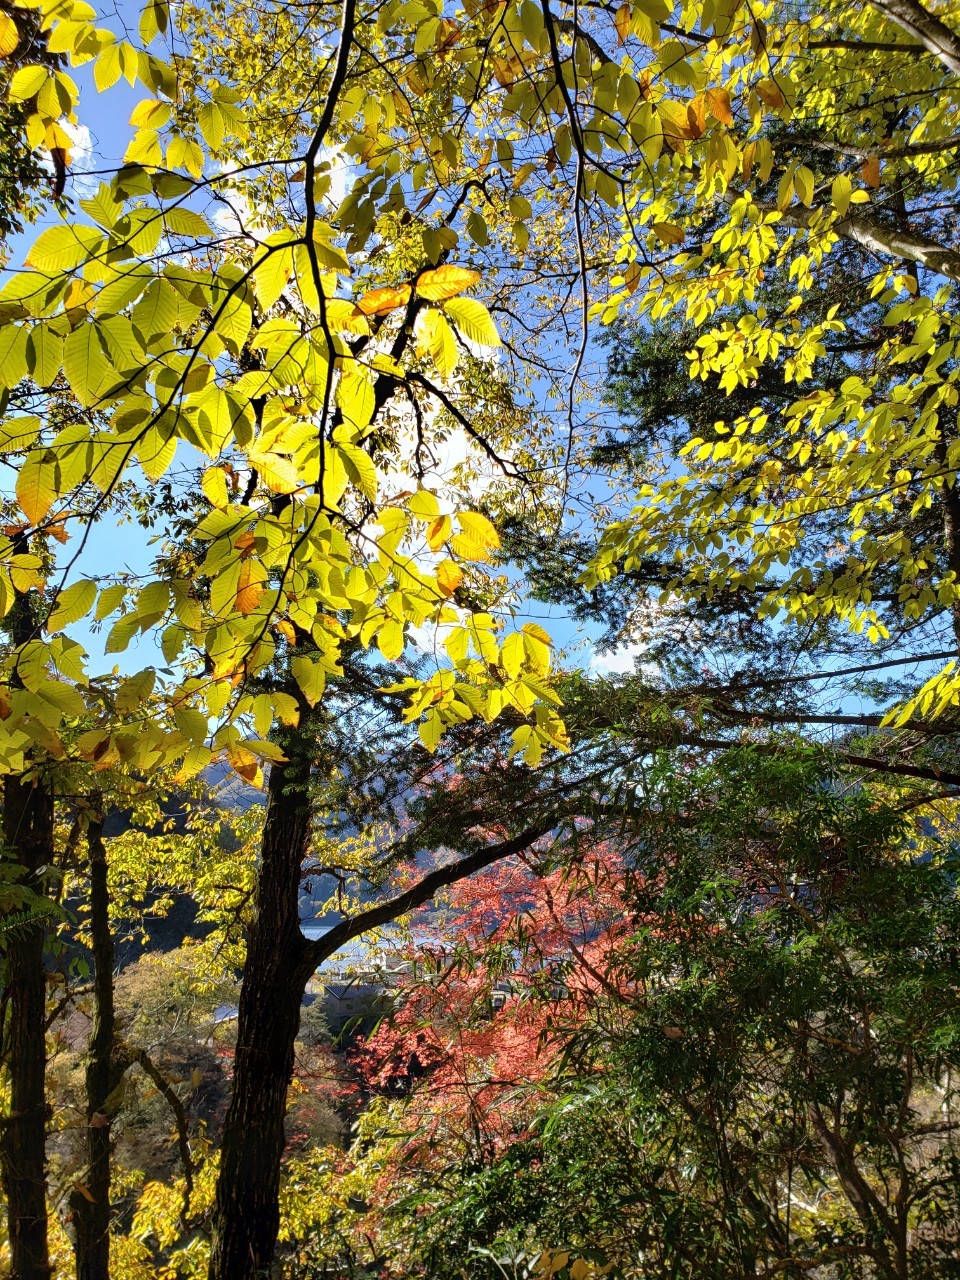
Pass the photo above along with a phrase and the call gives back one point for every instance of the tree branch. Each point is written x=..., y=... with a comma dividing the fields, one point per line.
x=143, y=1060
x=934, y=35
x=427, y=887
x=886, y=242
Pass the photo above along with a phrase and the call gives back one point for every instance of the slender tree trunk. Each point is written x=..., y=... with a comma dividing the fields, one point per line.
x=950, y=508
x=28, y=842
x=104, y=1071
x=247, y=1213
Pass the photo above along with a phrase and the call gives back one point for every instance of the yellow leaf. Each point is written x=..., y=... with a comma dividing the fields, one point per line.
x=840, y=192
x=473, y=320
x=431, y=731
x=668, y=232
x=390, y=640
x=150, y=112
x=445, y=282
x=35, y=486
x=479, y=529
x=512, y=654
x=534, y=629
x=380, y=302
x=435, y=339
x=438, y=532
x=424, y=505
x=621, y=20
x=771, y=94
x=73, y=603
x=310, y=677
x=9, y=35
x=449, y=576
x=214, y=485
x=278, y=474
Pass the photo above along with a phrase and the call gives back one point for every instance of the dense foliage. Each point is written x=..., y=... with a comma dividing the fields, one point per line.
x=401, y=329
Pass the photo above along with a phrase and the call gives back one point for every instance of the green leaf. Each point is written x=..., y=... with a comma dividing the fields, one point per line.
x=87, y=368
x=63, y=247
x=109, y=600
x=44, y=354
x=73, y=603
x=13, y=354
x=360, y=469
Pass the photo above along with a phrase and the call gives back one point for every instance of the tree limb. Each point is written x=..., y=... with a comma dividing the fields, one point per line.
x=425, y=888
x=934, y=35
x=886, y=242
x=143, y=1060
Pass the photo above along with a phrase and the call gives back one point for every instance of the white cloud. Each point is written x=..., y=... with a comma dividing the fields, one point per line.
x=618, y=661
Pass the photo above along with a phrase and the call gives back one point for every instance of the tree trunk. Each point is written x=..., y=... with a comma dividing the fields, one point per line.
x=28, y=842
x=104, y=1072
x=950, y=510
x=246, y=1212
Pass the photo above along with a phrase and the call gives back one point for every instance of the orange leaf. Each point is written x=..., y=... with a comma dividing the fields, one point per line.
x=697, y=116
x=245, y=543
x=870, y=171
x=438, y=531
x=286, y=630
x=718, y=104
x=249, y=586
x=449, y=576
x=621, y=20
x=245, y=763
x=380, y=302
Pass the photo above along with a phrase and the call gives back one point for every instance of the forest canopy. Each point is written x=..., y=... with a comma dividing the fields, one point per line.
x=480, y=597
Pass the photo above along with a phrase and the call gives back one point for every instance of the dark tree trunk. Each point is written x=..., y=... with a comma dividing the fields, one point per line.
x=104, y=1072
x=950, y=507
x=246, y=1213
x=28, y=842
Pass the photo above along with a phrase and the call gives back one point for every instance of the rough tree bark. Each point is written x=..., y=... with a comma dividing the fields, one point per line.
x=104, y=1072
x=28, y=843
x=246, y=1212
x=279, y=964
